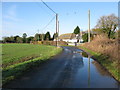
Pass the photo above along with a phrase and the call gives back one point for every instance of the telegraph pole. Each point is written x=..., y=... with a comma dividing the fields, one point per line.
x=56, y=29
x=56, y=20
x=89, y=26
x=58, y=33
x=81, y=33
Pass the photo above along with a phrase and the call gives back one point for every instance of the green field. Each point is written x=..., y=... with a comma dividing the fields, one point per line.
x=17, y=58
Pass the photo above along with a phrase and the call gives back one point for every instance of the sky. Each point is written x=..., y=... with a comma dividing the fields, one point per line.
x=29, y=17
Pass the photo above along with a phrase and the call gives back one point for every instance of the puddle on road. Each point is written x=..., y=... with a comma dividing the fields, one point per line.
x=95, y=75
x=85, y=72
x=100, y=69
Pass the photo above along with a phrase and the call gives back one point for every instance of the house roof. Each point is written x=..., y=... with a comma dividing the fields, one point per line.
x=67, y=36
x=72, y=35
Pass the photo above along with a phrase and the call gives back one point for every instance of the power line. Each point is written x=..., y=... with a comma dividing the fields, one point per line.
x=48, y=7
x=49, y=23
x=38, y=4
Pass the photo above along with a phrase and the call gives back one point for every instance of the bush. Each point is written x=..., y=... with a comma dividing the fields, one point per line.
x=105, y=46
x=60, y=43
x=85, y=37
x=40, y=42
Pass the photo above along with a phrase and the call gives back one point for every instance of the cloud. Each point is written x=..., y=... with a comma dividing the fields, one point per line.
x=12, y=10
x=12, y=18
x=11, y=14
x=10, y=21
x=8, y=24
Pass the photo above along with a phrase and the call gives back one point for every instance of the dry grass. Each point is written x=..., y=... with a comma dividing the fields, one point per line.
x=105, y=46
x=107, y=52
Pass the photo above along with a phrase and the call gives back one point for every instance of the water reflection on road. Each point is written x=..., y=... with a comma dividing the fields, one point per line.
x=82, y=71
x=98, y=77
x=73, y=68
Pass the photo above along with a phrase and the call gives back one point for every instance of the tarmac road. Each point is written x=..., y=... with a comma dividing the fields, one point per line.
x=69, y=69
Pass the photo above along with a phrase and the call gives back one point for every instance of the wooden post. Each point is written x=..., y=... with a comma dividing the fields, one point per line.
x=89, y=26
x=58, y=33
x=56, y=29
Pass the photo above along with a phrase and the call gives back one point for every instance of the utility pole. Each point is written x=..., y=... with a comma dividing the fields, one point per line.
x=89, y=26
x=81, y=33
x=56, y=29
x=58, y=33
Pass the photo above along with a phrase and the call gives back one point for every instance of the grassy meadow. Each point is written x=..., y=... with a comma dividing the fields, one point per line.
x=17, y=58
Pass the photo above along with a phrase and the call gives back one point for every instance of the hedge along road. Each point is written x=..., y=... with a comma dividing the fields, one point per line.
x=72, y=68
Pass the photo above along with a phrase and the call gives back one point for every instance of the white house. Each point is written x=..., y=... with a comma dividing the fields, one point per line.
x=69, y=37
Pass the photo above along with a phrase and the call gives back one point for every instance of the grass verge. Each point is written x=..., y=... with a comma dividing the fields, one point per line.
x=12, y=71
x=104, y=61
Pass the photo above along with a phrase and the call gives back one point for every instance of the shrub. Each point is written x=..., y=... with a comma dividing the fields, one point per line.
x=50, y=43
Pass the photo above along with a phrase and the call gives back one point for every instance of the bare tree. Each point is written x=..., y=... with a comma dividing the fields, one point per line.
x=108, y=24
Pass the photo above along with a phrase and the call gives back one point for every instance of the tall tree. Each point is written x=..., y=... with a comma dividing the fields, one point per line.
x=12, y=39
x=7, y=39
x=15, y=38
x=19, y=40
x=24, y=37
x=85, y=37
x=37, y=37
x=97, y=30
x=30, y=39
x=108, y=24
x=47, y=36
x=77, y=30
x=55, y=35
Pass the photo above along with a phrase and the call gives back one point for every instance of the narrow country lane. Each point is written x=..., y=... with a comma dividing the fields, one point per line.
x=69, y=69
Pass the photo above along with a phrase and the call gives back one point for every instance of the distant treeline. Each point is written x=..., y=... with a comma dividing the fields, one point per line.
x=25, y=39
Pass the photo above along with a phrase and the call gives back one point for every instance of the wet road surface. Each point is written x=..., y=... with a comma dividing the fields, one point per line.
x=70, y=69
